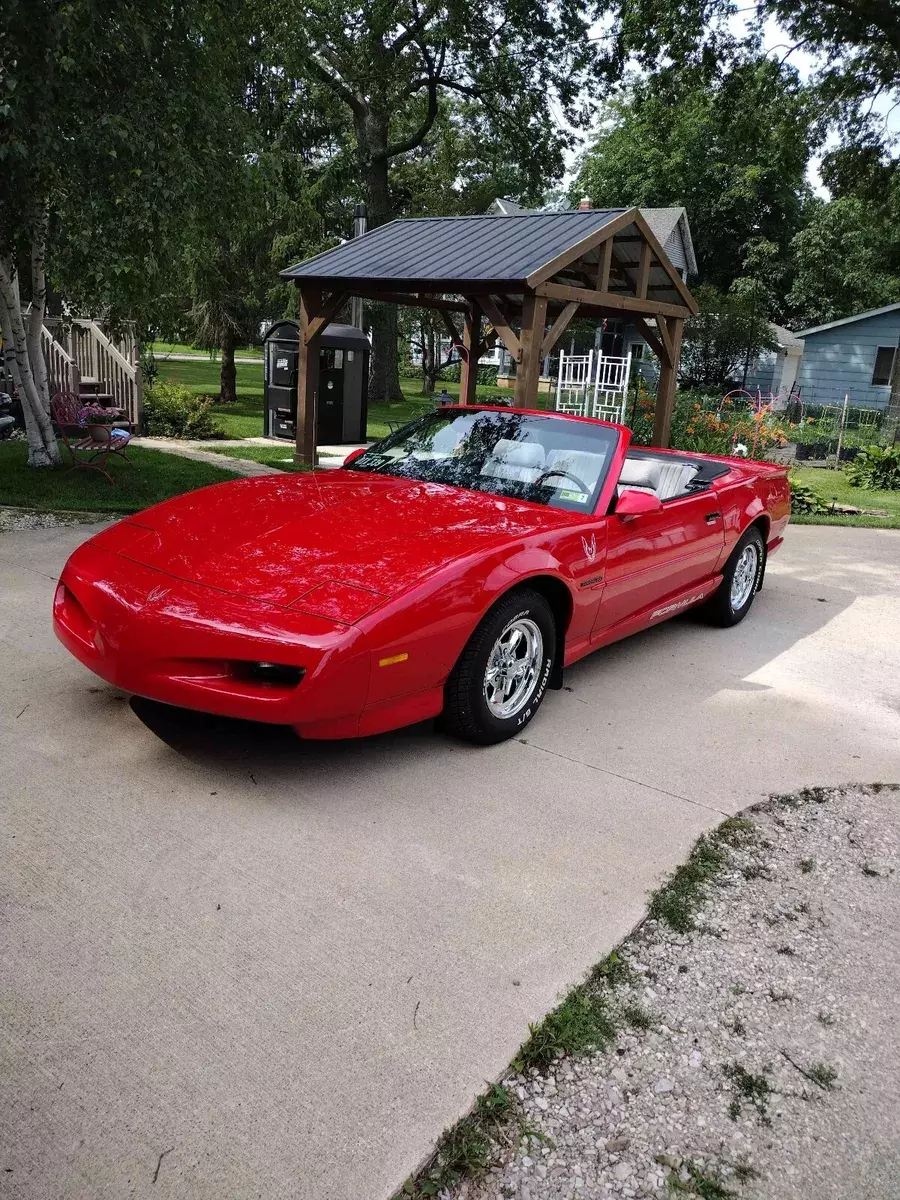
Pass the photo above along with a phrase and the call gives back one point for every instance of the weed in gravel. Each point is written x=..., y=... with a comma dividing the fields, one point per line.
x=748, y=1087
x=701, y=1181
x=788, y=950
x=825, y=1018
x=738, y=1027
x=613, y=971
x=807, y=865
x=822, y=1074
x=803, y=907
x=677, y=902
x=637, y=1017
x=465, y=1149
x=581, y=1024
x=780, y=996
x=755, y=870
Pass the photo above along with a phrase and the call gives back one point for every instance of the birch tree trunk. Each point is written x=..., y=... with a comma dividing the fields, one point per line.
x=43, y=450
x=37, y=313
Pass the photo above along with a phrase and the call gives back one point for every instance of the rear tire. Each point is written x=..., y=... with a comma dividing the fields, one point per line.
x=501, y=676
x=741, y=580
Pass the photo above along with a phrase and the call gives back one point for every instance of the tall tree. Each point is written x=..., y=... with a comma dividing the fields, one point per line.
x=390, y=62
x=729, y=143
x=110, y=117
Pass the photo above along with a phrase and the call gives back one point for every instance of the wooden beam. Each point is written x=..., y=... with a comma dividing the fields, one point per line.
x=542, y=274
x=558, y=328
x=468, y=371
x=501, y=323
x=604, y=265
x=328, y=311
x=651, y=337
x=528, y=372
x=409, y=298
x=307, y=375
x=677, y=282
x=450, y=326
x=651, y=308
x=665, y=388
x=643, y=275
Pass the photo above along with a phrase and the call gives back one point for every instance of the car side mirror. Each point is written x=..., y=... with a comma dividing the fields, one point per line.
x=632, y=503
x=354, y=455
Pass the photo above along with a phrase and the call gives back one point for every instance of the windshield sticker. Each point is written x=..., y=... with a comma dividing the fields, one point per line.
x=578, y=497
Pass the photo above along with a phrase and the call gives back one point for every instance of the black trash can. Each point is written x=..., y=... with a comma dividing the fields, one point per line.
x=343, y=381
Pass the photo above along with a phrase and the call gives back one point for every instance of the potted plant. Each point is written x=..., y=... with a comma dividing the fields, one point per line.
x=98, y=420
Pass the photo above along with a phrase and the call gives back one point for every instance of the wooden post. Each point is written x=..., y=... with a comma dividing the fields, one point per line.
x=307, y=377
x=468, y=371
x=665, y=389
x=528, y=372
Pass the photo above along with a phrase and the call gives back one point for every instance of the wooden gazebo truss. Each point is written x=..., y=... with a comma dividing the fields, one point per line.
x=520, y=279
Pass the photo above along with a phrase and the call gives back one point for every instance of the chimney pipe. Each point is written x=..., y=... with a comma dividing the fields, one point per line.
x=360, y=225
x=584, y=205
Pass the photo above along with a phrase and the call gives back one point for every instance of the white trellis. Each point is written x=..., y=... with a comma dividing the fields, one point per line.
x=593, y=385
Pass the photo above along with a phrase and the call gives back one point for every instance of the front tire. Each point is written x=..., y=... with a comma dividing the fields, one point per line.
x=501, y=676
x=741, y=580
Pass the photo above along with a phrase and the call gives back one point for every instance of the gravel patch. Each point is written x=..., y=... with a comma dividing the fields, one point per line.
x=755, y=1055
x=13, y=519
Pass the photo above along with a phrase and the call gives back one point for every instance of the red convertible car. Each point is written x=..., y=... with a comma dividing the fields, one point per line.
x=451, y=570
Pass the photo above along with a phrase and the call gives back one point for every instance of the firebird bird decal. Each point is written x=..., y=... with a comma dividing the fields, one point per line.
x=590, y=547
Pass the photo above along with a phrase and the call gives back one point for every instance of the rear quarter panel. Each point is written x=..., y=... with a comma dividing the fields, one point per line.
x=748, y=493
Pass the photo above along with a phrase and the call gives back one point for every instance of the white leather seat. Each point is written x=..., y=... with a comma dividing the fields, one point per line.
x=665, y=478
x=639, y=475
x=581, y=463
x=522, y=461
x=674, y=478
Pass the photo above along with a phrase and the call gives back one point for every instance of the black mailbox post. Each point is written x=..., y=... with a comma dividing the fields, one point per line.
x=343, y=381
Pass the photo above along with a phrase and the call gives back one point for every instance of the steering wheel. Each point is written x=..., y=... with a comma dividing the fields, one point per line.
x=582, y=486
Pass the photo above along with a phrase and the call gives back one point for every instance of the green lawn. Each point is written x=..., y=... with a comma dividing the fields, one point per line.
x=245, y=418
x=155, y=476
x=161, y=349
x=833, y=486
x=281, y=456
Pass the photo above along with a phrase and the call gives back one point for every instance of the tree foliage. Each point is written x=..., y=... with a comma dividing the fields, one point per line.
x=730, y=145
x=729, y=331
x=391, y=64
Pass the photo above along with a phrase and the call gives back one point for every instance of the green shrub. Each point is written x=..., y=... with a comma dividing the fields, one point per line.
x=172, y=410
x=806, y=500
x=876, y=468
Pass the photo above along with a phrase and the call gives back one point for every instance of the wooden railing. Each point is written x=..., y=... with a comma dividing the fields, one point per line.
x=80, y=350
x=115, y=366
x=63, y=374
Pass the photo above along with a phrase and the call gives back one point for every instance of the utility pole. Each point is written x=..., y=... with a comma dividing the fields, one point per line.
x=360, y=225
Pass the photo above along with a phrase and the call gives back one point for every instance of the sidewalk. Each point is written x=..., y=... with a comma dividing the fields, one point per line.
x=330, y=457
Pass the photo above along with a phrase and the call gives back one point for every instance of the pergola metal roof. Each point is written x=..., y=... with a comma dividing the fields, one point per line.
x=455, y=250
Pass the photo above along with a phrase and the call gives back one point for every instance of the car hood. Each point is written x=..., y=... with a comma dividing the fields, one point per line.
x=336, y=543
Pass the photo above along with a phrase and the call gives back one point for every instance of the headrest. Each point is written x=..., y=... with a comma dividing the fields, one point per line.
x=519, y=454
x=640, y=472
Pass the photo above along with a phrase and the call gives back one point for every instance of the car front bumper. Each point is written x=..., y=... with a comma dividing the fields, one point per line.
x=189, y=645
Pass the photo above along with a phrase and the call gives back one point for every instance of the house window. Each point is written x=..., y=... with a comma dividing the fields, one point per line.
x=884, y=361
x=637, y=351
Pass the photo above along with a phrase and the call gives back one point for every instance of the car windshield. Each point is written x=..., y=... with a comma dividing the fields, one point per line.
x=544, y=460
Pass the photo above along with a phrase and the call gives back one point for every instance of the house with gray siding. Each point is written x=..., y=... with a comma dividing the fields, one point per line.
x=852, y=357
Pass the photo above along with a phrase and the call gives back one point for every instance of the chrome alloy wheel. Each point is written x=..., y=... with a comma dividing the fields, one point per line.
x=743, y=581
x=513, y=668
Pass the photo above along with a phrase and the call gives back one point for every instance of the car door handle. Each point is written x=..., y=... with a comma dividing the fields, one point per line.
x=710, y=517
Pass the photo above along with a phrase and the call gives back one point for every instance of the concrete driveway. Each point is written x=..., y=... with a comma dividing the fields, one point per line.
x=238, y=965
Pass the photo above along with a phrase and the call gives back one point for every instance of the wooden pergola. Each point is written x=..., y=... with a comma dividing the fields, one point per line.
x=518, y=279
